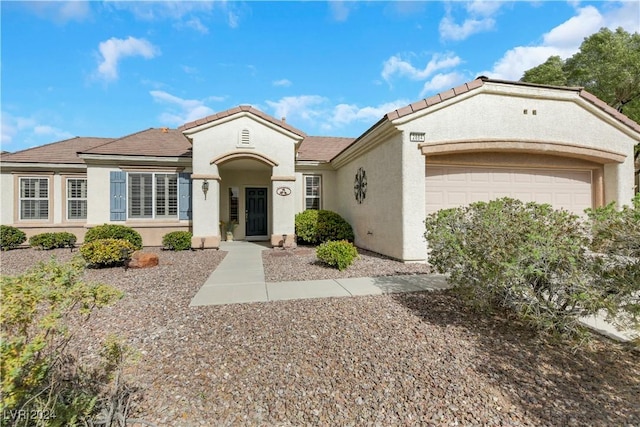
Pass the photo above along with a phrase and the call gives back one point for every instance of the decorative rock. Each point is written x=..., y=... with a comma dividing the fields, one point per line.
x=141, y=259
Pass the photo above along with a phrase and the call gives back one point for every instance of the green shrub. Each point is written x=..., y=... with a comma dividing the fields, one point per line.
x=47, y=241
x=527, y=258
x=107, y=252
x=616, y=231
x=318, y=226
x=114, y=231
x=177, y=240
x=11, y=237
x=39, y=374
x=337, y=253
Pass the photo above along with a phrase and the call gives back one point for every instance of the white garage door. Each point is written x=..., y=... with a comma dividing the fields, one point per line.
x=449, y=186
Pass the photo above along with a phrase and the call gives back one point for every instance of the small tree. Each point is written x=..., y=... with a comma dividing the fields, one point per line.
x=39, y=375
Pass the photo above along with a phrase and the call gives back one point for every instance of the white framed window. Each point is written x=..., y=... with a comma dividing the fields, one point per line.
x=312, y=192
x=152, y=195
x=34, y=198
x=166, y=195
x=76, y=198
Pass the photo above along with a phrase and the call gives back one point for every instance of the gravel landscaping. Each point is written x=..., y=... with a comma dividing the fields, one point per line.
x=402, y=359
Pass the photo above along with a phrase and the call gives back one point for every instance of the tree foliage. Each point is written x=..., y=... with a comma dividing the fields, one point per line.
x=607, y=65
x=549, y=73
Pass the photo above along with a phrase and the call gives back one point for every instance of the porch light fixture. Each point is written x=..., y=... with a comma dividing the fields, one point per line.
x=205, y=188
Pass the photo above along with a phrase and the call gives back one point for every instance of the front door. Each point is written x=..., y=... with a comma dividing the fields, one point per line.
x=256, y=212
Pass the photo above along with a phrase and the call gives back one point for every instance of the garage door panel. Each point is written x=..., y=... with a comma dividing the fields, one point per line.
x=452, y=186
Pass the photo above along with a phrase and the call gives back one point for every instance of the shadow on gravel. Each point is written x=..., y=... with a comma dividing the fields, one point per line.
x=597, y=384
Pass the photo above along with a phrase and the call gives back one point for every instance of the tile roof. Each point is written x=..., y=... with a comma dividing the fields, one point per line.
x=240, y=109
x=57, y=152
x=322, y=148
x=479, y=82
x=153, y=142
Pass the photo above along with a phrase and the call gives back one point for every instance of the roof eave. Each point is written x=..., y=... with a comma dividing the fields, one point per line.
x=133, y=158
x=40, y=165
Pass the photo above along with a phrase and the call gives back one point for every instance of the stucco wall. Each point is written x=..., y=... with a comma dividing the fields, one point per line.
x=6, y=198
x=98, y=197
x=223, y=143
x=378, y=221
x=531, y=114
x=329, y=193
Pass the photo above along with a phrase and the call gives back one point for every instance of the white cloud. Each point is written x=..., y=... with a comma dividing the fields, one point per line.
x=570, y=34
x=563, y=40
x=449, y=30
x=339, y=10
x=187, y=14
x=233, y=19
x=113, y=50
x=61, y=12
x=29, y=131
x=345, y=114
x=400, y=67
x=181, y=110
x=157, y=10
x=282, y=83
x=440, y=82
x=304, y=107
x=197, y=25
x=480, y=17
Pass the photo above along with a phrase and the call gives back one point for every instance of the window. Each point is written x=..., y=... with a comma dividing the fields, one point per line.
x=153, y=195
x=34, y=198
x=233, y=204
x=312, y=191
x=76, y=198
x=166, y=195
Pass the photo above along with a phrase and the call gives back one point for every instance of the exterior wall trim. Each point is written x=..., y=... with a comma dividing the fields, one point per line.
x=597, y=155
x=283, y=178
x=205, y=176
x=243, y=154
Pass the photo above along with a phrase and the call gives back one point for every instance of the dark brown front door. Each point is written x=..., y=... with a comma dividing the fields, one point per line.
x=256, y=214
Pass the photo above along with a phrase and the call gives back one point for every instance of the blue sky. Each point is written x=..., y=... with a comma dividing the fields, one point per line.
x=331, y=68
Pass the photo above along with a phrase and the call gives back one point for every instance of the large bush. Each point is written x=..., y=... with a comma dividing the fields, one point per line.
x=318, y=226
x=114, y=231
x=616, y=231
x=177, y=240
x=107, y=252
x=39, y=373
x=11, y=237
x=339, y=254
x=47, y=241
x=616, y=261
x=528, y=258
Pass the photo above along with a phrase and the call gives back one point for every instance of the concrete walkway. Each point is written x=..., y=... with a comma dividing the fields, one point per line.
x=240, y=279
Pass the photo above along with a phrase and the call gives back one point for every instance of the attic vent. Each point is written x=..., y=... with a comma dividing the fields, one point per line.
x=245, y=137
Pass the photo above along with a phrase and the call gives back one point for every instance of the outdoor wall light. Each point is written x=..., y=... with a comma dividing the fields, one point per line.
x=205, y=188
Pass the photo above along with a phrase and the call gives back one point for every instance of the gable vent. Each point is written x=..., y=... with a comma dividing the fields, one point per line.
x=245, y=137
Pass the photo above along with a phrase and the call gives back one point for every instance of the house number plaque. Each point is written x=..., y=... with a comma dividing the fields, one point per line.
x=283, y=191
x=360, y=185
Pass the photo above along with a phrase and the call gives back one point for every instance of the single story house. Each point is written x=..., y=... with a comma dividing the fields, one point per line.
x=482, y=140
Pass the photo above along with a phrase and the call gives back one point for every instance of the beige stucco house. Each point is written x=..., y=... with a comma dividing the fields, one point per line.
x=479, y=141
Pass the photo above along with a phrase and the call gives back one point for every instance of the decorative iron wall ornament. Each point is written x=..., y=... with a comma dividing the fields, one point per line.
x=360, y=185
x=283, y=191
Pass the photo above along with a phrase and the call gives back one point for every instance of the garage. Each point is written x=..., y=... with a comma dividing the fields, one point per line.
x=449, y=186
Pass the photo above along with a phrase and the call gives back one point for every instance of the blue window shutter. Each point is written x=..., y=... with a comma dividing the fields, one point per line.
x=184, y=180
x=118, y=195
